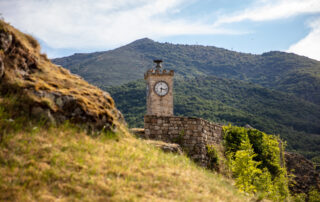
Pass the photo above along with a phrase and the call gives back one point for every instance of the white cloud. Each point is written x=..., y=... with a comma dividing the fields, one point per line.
x=310, y=45
x=87, y=24
x=271, y=10
x=104, y=24
x=265, y=10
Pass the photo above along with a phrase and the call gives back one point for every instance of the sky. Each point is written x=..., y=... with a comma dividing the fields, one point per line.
x=65, y=27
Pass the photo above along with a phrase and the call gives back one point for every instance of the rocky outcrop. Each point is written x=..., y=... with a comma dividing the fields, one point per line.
x=1, y=67
x=5, y=40
x=166, y=147
x=306, y=176
x=48, y=91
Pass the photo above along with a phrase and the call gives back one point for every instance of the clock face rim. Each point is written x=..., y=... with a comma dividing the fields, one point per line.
x=154, y=88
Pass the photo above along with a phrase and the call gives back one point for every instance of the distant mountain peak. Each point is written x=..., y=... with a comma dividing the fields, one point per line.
x=142, y=41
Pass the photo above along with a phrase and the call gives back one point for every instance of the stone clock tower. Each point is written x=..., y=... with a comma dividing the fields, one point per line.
x=159, y=91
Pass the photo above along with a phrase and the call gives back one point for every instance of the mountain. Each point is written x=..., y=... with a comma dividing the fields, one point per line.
x=285, y=72
x=231, y=101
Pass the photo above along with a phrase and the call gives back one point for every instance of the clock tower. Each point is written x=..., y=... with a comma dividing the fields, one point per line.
x=159, y=90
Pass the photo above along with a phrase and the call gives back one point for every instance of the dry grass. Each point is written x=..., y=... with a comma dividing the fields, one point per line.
x=64, y=164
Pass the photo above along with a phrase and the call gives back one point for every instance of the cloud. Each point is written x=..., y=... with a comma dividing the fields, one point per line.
x=271, y=10
x=266, y=10
x=310, y=45
x=87, y=24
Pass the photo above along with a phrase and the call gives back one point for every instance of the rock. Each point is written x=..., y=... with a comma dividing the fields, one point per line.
x=248, y=126
x=1, y=68
x=305, y=174
x=50, y=92
x=120, y=117
x=77, y=112
x=138, y=132
x=166, y=147
x=59, y=102
x=41, y=113
x=5, y=41
x=69, y=103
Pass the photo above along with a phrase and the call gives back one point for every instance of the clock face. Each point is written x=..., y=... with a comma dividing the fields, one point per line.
x=161, y=88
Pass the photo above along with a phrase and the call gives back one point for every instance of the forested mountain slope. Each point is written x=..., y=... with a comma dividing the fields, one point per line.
x=286, y=72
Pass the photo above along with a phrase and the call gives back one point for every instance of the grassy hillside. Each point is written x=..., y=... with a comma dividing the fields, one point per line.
x=65, y=164
x=278, y=70
x=224, y=101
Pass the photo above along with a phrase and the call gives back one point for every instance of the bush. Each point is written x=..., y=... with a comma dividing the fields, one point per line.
x=213, y=157
x=314, y=195
x=255, y=160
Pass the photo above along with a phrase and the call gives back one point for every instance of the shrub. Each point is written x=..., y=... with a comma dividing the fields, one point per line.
x=314, y=195
x=244, y=168
x=255, y=160
x=213, y=157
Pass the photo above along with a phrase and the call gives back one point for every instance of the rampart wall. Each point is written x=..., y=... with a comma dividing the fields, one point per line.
x=192, y=134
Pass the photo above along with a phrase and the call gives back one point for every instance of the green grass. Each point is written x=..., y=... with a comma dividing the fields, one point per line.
x=66, y=164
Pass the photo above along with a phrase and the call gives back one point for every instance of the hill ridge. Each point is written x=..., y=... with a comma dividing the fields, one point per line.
x=129, y=62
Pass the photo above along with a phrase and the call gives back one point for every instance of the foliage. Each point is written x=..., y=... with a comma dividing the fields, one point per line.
x=213, y=157
x=245, y=168
x=314, y=195
x=254, y=158
x=302, y=197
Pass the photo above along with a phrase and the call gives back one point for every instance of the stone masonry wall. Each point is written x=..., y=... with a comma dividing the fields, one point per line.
x=192, y=134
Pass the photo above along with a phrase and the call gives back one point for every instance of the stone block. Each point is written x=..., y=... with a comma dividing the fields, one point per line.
x=188, y=132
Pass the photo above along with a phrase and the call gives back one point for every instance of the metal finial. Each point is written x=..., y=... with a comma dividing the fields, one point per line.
x=158, y=62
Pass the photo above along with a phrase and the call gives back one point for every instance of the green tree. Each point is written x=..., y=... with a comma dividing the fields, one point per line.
x=244, y=168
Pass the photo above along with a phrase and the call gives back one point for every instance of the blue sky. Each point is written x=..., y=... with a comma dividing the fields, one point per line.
x=64, y=27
